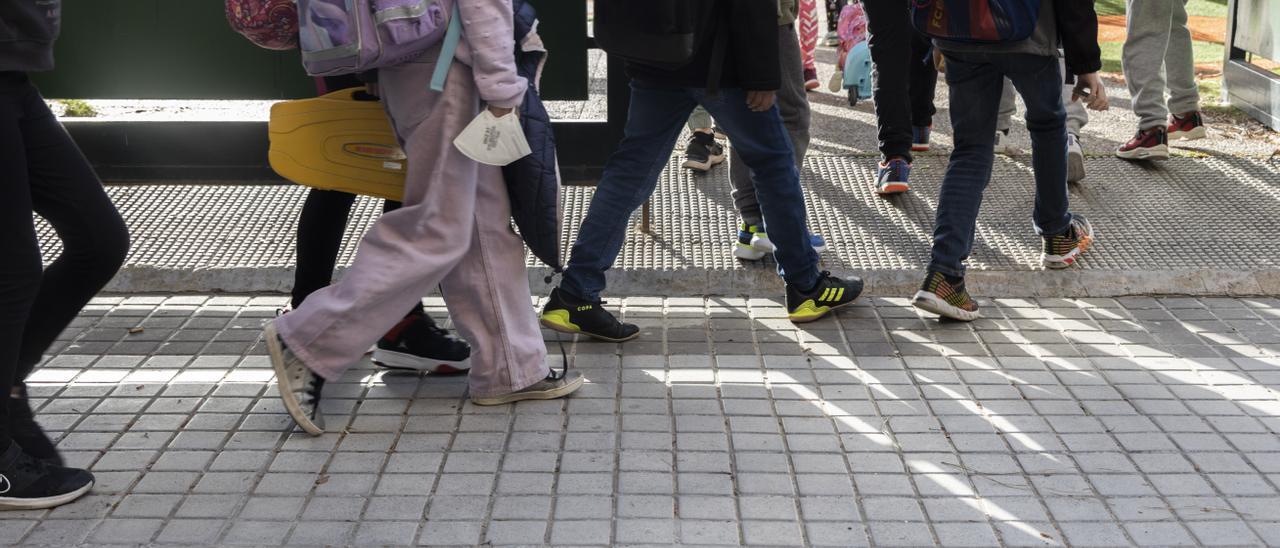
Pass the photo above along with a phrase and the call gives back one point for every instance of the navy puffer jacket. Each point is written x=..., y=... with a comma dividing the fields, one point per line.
x=533, y=182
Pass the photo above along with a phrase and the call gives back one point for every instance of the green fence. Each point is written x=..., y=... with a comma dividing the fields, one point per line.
x=183, y=49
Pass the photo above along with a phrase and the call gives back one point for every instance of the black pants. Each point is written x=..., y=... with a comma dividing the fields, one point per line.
x=322, y=224
x=904, y=75
x=42, y=171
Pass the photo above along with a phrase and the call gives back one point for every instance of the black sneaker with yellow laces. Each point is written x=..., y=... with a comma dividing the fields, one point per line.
x=829, y=294
x=569, y=314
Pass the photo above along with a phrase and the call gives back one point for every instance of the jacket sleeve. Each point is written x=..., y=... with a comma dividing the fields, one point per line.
x=489, y=34
x=753, y=43
x=1078, y=28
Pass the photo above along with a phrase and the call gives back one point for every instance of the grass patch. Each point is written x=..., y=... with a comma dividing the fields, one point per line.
x=1204, y=52
x=77, y=108
x=1203, y=8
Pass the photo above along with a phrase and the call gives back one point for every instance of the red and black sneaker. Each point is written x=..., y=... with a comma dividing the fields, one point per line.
x=1189, y=126
x=1148, y=144
x=946, y=296
x=418, y=344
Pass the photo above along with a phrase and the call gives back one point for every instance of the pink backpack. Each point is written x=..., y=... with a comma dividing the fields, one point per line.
x=271, y=24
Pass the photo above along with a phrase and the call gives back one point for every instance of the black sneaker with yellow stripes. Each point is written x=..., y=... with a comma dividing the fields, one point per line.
x=568, y=314
x=830, y=293
x=945, y=296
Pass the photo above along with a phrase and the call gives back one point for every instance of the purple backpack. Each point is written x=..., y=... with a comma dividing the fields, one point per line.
x=353, y=36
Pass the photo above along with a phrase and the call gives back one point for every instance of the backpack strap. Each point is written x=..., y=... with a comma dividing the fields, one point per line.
x=447, y=49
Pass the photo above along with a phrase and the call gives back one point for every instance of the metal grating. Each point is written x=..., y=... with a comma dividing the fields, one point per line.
x=1208, y=213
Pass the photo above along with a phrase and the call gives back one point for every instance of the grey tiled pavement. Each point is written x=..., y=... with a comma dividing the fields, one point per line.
x=1082, y=422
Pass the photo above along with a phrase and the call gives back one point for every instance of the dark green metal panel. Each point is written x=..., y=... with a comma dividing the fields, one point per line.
x=165, y=49
x=183, y=49
x=563, y=27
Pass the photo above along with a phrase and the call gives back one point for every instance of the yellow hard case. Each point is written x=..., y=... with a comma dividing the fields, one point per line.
x=335, y=142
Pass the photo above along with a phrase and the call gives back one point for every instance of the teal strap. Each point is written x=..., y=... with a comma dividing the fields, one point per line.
x=447, y=49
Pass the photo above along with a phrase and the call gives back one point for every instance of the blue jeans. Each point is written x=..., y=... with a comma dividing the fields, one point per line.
x=976, y=81
x=654, y=120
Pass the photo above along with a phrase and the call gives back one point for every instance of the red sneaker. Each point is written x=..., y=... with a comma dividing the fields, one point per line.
x=1148, y=144
x=1189, y=126
x=811, y=79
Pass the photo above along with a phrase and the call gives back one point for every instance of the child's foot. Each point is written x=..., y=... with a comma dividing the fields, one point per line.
x=920, y=138
x=26, y=432
x=703, y=152
x=744, y=248
x=894, y=177
x=568, y=314
x=1147, y=144
x=299, y=386
x=829, y=294
x=1189, y=126
x=418, y=344
x=552, y=387
x=1075, y=159
x=1003, y=144
x=753, y=243
x=811, y=79
x=945, y=296
x=28, y=483
x=1063, y=250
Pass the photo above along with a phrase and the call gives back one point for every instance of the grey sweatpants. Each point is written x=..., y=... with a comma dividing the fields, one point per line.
x=793, y=105
x=1077, y=116
x=1157, y=53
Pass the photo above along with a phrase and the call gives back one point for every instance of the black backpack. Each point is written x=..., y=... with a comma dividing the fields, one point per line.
x=664, y=34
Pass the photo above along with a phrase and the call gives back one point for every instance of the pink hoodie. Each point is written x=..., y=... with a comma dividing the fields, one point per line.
x=488, y=47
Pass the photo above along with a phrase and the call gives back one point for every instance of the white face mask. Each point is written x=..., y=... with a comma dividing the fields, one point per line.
x=492, y=140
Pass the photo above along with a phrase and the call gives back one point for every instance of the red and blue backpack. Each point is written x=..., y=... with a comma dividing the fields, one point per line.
x=982, y=21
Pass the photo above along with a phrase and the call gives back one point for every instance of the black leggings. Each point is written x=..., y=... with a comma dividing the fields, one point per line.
x=322, y=224
x=42, y=171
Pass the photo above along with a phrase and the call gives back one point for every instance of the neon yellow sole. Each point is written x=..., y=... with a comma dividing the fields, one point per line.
x=808, y=311
x=558, y=320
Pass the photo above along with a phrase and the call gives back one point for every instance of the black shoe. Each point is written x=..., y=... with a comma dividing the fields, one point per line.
x=703, y=152
x=26, y=432
x=27, y=483
x=568, y=314
x=830, y=293
x=418, y=344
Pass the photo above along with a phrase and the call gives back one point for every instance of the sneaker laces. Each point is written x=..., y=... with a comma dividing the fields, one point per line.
x=313, y=391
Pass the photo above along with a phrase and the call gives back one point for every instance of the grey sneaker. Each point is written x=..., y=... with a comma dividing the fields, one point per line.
x=299, y=386
x=1075, y=159
x=550, y=388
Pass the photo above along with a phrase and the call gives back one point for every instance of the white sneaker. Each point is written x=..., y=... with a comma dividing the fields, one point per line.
x=1075, y=159
x=1004, y=144
x=299, y=386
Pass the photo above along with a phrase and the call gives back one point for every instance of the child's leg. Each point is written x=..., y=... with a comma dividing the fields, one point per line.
x=1038, y=80
x=1008, y=107
x=1179, y=63
x=923, y=80
x=488, y=297
x=1143, y=57
x=1077, y=116
x=793, y=105
x=654, y=118
x=808, y=23
x=976, y=84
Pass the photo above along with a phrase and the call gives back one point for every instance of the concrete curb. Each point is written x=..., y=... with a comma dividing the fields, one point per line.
x=760, y=280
